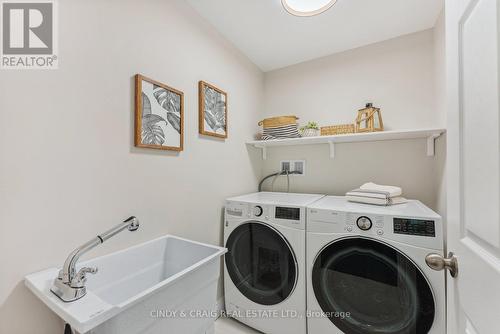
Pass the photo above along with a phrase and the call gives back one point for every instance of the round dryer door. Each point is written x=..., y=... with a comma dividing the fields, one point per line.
x=365, y=286
x=261, y=263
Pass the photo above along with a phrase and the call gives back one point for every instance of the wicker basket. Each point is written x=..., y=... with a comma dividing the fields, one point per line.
x=275, y=122
x=337, y=129
x=309, y=132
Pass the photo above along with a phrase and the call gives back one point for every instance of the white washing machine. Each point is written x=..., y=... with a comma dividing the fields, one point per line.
x=367, y=271
x=264, y=272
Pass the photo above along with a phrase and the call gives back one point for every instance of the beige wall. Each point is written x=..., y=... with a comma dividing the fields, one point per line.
x=399, y=75
x=68, y=169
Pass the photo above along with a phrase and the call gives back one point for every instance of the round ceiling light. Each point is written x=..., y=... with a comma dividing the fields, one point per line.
x=307, y=7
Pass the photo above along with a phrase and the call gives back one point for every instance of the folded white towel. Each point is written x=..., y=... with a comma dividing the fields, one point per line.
x=370, y=194
x=377, y=201
x=390, y=190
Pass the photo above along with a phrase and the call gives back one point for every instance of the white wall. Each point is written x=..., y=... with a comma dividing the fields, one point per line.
x=68, y=168
x=399, y=75
x=440, y=93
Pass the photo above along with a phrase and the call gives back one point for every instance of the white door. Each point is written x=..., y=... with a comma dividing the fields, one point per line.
x=473, y=164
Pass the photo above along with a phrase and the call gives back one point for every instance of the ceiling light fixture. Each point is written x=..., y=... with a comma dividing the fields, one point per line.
x=307, y=7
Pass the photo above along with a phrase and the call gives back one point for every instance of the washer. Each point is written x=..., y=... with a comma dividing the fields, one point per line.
x=264, y=272
x=367, y=271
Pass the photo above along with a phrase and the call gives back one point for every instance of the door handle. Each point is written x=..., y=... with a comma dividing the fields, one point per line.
x=438, y=263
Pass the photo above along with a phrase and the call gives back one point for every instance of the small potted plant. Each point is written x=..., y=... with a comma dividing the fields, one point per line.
x=311, y=129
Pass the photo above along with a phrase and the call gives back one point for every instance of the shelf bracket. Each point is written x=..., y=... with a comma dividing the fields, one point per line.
x=264, y=151
x=431, y=144
x=332, y=149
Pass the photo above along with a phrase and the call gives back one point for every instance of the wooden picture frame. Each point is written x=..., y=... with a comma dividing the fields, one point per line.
x=212, y=111
x=159, y=115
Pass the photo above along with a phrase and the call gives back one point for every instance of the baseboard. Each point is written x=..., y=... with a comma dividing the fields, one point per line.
x=220, y=306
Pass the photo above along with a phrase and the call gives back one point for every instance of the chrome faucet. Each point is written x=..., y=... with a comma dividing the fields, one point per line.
x=70, y=285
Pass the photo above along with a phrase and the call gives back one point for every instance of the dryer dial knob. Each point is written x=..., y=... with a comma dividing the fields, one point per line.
x=258, y=211
x=364, y=223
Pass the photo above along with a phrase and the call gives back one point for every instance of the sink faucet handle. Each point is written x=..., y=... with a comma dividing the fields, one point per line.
x=90, y=270
x=87, y=270
x=81, y=276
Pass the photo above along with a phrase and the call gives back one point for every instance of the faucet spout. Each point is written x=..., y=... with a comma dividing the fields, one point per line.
x=69, y=285
x=131, y=223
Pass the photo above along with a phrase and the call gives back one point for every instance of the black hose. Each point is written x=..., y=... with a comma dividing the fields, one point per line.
x=275, y=174
x=67, y=329
x=264, y=180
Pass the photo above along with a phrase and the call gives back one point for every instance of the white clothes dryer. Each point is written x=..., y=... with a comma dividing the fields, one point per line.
x=367, y=270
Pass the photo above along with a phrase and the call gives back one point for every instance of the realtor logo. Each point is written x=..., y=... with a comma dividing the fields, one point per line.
x=28, y=35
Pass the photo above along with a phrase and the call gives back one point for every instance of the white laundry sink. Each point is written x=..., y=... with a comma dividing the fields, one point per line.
x=167, y=285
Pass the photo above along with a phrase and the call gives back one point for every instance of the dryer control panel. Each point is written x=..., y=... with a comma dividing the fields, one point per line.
x=425, y=228
x=412, y=230
x=368, y=224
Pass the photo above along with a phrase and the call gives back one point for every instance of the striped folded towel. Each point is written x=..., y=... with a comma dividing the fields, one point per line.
x=281, y=132
x=376, y=201
x=371, y=193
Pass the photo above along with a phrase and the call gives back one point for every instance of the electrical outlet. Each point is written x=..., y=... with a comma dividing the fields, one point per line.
x=298, y=166
x=285, y=166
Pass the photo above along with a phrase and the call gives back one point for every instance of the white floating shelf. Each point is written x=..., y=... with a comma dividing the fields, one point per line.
x=430, y=134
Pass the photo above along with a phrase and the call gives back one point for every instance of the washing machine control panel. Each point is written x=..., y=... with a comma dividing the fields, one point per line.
x=287, y=213
x=258, y=211
x=364, y=223
x=291, y=216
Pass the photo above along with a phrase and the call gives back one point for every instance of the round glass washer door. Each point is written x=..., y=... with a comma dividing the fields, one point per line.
x=367, y=287
x=261, y=263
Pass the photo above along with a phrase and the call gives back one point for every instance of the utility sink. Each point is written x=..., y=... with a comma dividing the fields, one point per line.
x=167, y=285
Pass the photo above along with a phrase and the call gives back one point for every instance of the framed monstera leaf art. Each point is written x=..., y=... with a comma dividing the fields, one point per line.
x=159, y=115
x=213, y=110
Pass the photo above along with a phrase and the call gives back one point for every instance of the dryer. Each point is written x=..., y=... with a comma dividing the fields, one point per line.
x=264, y=271
x=367, y=271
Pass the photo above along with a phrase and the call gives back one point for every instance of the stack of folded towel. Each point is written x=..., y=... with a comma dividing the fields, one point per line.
x=371, y=193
